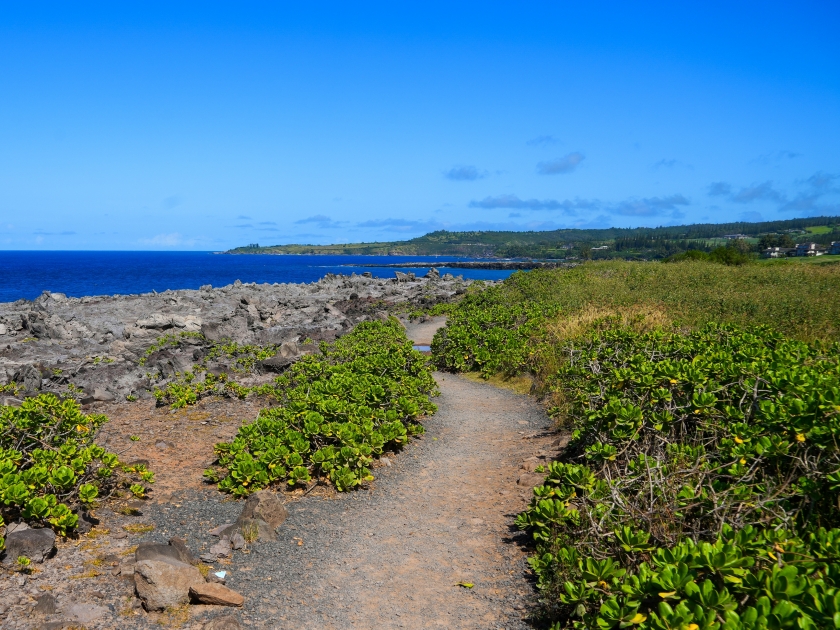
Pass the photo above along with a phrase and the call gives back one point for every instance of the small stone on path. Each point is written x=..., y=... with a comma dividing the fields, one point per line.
x=215, y=594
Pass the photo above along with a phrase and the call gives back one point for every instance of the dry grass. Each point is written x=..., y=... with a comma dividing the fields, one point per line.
x=175, y=616
x=563, y=330
x=96, y=532
x=797, y=300
x=640, y=318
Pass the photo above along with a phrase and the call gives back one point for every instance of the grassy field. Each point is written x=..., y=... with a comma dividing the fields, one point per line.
x=799, y=300
x=802, y=260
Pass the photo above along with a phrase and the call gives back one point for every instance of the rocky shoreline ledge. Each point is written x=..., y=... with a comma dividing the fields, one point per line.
x=99, y=347
x=496, y=265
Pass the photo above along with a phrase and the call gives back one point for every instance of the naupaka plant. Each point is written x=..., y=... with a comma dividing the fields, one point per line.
x=336, y=412
x=50, y=465
x=701, y=485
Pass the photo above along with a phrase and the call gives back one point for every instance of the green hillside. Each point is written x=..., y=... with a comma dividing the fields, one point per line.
x=620, y=242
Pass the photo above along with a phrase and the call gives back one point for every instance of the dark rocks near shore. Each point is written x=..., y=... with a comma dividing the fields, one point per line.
x=501, y=265
x=99, y=344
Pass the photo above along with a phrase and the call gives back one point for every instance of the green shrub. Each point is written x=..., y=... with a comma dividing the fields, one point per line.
x=336, y=412
x=691, y=254
x=49, y=463
x=798, y=301
x=189, y=387
x=722, y=255
x=488, y=334
x=686, y=436
x=701, y=486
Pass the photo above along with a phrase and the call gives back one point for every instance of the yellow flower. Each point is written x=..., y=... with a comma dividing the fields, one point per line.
x=693, y=626
x=738, y=440
x=800, y=437
x=81, y=428
x=743, y=461
x=603, y=584
x=673, y=382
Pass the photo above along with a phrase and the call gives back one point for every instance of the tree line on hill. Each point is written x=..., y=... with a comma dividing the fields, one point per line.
x=643, y=243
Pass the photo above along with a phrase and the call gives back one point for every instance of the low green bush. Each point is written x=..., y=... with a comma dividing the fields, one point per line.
x=798, y=301
x=50, y=466
x=722, y=255
x=715, y=446
x=489, y=335
x=189, y=387
x=701, y=488
x=338, y=410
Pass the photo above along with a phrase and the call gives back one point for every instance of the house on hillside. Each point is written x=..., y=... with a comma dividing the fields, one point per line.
x=733, y=237
x=835, y=248
x=778, y=252
x=601, y=248
x=809, y=249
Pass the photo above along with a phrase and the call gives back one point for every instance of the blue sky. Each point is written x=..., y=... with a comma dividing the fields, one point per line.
x=211, y=125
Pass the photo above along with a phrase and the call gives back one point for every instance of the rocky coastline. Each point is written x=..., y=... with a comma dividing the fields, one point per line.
x=99, y=347
x=500, y=265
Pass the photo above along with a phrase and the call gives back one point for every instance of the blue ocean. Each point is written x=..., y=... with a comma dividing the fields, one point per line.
x=26, y=274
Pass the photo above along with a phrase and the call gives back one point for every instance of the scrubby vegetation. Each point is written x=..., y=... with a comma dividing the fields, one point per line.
x=701, y=485
x=189, y=387
x=796, y=300
x=626, y=243
x=336, y=411
x=50, y=466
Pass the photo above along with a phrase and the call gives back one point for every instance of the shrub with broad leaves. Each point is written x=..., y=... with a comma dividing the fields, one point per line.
x=49, y=464
x=336, y=411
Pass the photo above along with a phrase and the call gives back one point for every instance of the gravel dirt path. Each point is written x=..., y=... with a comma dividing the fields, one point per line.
x=391, y=556
x=388, y=556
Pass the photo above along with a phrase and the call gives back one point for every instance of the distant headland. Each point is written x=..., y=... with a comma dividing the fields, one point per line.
x=632, y=243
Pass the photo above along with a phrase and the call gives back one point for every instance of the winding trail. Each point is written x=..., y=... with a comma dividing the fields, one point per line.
x=444, y=517
x=391, y=556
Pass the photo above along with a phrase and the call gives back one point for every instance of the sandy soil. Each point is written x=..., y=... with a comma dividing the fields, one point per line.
x=177, y=444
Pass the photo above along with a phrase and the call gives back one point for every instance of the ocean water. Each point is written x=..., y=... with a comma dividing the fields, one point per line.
x=27, y=274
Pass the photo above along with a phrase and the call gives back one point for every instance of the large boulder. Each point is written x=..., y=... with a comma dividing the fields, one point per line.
x=265, y=506
x=165, y=582
x=176, y=550
x=262, y=514
x=46, y=604
x=35, y=544
x=31, y=377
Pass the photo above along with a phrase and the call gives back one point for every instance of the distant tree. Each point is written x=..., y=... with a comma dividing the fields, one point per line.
x=691, y=254
x=775, y=240
x=729, y=255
